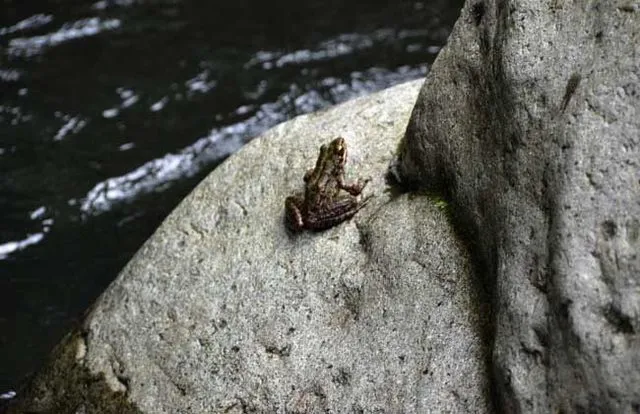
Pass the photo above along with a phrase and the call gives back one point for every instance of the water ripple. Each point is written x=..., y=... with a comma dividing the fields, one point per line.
x=33, y=22
x=30, y=46
x=156, y=174
x=344, y=44
x=14, y=246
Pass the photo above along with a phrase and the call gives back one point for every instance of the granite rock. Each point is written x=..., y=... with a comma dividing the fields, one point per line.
x=223, y=310
x=529, y=124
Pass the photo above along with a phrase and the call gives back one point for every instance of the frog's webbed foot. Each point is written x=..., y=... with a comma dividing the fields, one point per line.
x=355, y=188
x=292, y=214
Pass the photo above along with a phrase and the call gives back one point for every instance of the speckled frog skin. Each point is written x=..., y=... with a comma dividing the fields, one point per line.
x=327, y=200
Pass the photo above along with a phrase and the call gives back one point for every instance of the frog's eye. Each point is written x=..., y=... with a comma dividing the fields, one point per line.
x=340, y=149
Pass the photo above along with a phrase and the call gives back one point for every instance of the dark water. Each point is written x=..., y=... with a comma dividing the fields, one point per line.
x=111, y=111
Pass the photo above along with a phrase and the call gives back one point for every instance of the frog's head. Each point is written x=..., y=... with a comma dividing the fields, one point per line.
x=338, y=151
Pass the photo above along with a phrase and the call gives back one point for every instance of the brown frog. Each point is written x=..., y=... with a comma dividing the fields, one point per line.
x=323, y=204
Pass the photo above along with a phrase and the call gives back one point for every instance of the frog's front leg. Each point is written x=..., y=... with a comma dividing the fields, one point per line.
x=307, y=175
x=293, y=212
x=355, y=188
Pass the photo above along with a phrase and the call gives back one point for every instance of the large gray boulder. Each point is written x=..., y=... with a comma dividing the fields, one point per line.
x=529, y=123
x=222, y=310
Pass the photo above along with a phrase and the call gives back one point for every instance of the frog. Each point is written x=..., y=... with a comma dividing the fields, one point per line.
x=328, y=199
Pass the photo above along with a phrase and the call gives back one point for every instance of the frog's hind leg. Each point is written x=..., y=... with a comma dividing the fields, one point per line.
x=341, y=210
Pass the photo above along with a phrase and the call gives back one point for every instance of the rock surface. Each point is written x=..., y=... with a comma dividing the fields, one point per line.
x=529, y=123
x=223, y=311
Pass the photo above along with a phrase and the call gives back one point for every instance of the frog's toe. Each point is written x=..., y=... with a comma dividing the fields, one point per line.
x=294, y=222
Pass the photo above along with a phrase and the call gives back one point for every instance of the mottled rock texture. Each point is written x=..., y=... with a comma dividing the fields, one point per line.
x=224, y=311
x=529, y=123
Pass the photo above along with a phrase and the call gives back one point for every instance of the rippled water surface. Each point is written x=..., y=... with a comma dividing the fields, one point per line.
x=111, y=111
